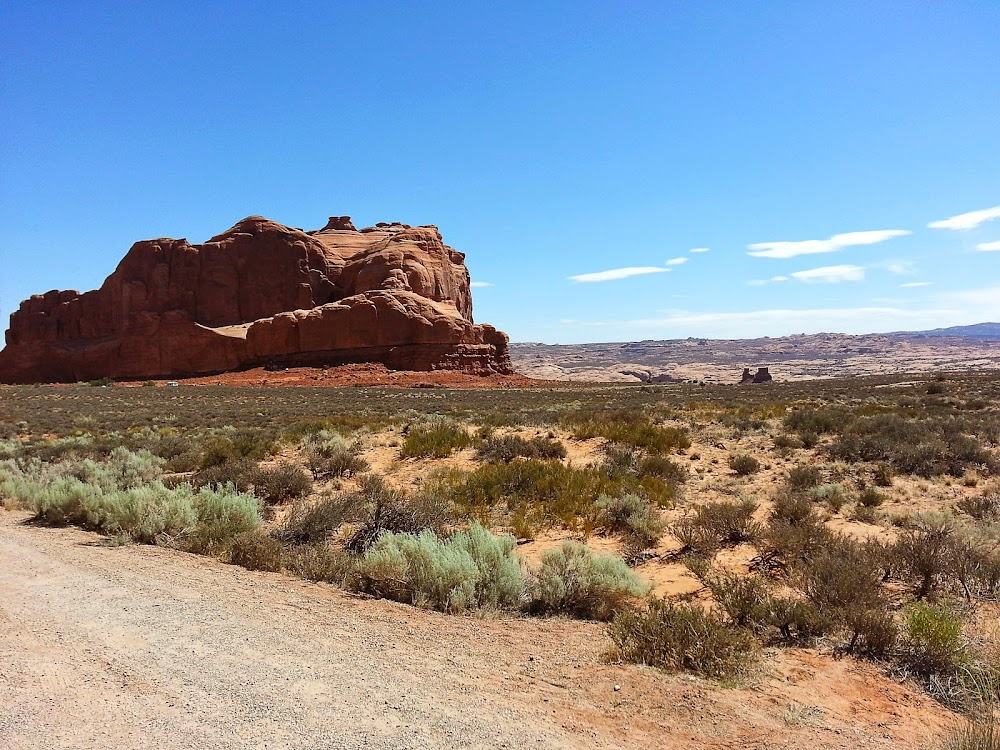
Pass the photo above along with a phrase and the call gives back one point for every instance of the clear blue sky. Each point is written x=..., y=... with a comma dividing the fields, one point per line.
x=547, y=140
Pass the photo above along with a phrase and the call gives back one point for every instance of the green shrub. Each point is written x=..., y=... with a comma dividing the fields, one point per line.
x=311, y=523
x=718, y=523
x=682, y=637
x=505, y=448
x=330, y=455
x=239, y=474
x=382, y=509
x=744, y=465
x=631, y=428
x=746, y=600
x=785, y=442
x=933, y=641
x=435, y=439
x=832, y=495
x=318, y=562
x=573, y=580
x=803, y=477
x=470, y=569
x=634, y=518
x=550, y=491
x=817, y=420
x=797, y=620
x=281, y=483
x=100, y=382
x=922, y=554
x=870, y=498
x=663, y=467
x=255, y=551
x=981, y=507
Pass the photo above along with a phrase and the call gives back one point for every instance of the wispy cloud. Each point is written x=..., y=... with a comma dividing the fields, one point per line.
x=988, y=247
x=480, y=284
x=969, y=220
x=677, y=261
x=914, y=284
x=617, y=273
x=831, y=245
x=699, y=249
x=772, y=280
x=830, y=274
x=775, y=279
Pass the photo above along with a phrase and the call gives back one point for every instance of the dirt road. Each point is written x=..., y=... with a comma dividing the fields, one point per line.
x=142, y=647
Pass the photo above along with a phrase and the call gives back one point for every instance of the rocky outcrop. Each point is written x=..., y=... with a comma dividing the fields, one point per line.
x=761, y=376
x=261, y=294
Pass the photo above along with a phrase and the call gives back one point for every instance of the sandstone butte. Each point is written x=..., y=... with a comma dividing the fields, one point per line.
x=261, y=295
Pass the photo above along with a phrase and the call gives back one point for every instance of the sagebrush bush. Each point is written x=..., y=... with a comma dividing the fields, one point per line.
x=468, y=570
x=817, y=420
x=318, y=562
x=435, y=439
x=981, y=507
x=682, y=637
x=803, y=477
x=550, y=491
x=631, y=428
x=922, y=555
x=744, y=465
x=632, y=517
x=934, y=644
x=328, y=454
x=255, y=551
x=746, y=599
x=281, y=483
x=832, y=495
x=717, y=524
x=238, y=474
x=381, y=509
x=573, y=580
x=312, y=523
x=505, y=448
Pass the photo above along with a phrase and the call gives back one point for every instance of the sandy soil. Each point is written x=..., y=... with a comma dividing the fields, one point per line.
x=358, y=375
x=139, y=647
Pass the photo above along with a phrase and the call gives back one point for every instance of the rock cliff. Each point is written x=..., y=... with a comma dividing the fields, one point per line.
x=261, y=294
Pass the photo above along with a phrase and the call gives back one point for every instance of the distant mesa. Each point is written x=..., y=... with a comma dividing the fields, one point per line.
x=261, y=295
x=761, y=376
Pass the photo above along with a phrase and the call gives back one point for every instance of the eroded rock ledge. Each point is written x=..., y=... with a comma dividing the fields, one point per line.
x=260, y=294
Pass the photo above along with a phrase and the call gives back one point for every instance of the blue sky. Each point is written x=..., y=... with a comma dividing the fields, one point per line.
x=809, y=146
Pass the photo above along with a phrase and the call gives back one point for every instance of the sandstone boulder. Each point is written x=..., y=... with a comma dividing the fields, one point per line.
x=261, y=293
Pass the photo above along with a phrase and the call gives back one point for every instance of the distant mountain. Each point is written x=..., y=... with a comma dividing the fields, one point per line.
x=977, y=331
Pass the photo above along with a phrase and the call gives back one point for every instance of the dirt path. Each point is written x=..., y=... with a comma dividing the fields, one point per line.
x=141, y=647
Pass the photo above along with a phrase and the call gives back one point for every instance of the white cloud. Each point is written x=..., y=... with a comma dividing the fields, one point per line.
x=988, y=247
x=617, y=273
x=830, y=274
x=757, y=282
x=479, y=284
x=677, y=261
x=699, y=249
x=779, y=278
x=831, y=245
x=898, y=267
x=914, y=284
x=969, y=220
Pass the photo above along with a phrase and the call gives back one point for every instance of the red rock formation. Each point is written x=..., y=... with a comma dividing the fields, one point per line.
x=261, y=294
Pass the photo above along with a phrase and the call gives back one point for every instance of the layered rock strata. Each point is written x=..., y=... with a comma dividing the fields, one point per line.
x=261, y=294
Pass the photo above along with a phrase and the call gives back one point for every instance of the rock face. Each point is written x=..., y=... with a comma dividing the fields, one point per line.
x=761, y=376
x=261, y=294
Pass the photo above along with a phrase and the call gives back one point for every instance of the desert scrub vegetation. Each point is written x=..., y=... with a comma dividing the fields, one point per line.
x=436, y=438
x=716, y=524
x=329, y=454
x=678, y=636
x=632, y=428
x=548, y=492
x=472, y=569
x=574, y=580
x=634, y=519
x=506, y=448
x=744, y=465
